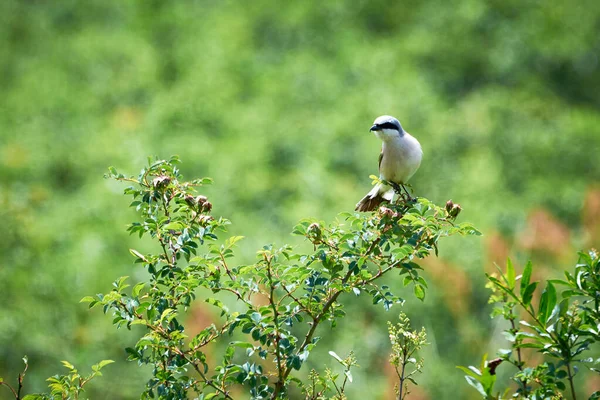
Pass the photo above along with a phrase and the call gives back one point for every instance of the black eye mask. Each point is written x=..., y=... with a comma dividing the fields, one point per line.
x=388, y=125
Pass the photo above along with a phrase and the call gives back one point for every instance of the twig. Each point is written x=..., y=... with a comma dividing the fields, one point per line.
x=11, y=389
x=520, y=360
x=573, y=395
x=275, y=319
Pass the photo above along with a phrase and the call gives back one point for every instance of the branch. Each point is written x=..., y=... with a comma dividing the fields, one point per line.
x=275, y=318
x=11, y=389
x=573, y=395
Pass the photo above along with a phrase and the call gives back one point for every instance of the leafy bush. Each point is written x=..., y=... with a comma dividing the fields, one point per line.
x=284, y=299
x=561, y=328
x=69, y=386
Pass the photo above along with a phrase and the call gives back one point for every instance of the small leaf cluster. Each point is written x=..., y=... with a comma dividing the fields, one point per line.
x=318, y=386
x=282, y=299
x=563, y=328
x=405, y=343
x=69, y=386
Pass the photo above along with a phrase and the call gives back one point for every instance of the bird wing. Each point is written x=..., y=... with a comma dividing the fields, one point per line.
x=380, y=159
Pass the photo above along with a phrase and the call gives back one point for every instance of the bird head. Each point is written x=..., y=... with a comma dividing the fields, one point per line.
x=386, y=127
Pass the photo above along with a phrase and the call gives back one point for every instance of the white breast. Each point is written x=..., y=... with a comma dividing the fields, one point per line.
x=401, y=158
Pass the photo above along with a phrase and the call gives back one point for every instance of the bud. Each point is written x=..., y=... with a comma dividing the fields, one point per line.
x=207, y=206
x=190, y=200
x=205, y=219
x=493, y=364
x=456, y=209
x=314, y=233
x=386, y=212
x=161, y=181
x=449, y=205
x=201, y=199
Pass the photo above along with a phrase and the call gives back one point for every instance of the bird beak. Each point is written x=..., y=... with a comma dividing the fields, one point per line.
x=375, y=128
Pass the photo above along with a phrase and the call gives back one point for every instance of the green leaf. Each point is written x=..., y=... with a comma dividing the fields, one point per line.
x=120, y=283
x=402, y=252
x=256, y=317
x=173, y=226
x=168, y=314
x=558, y=282
x=419, y=292
x=476, y=384
x=502, y=287
x=510, y=274
x=68, y=365
x=244, y=345
x=137, y=289
x=87, y=299
x=137, y=254
x=526, y=277
x=530, y=345
x=528, y=293
x=296, y=363
x=468, y=229
x=547, y=303
x=233, y=240
x=104, y=363
x=569, y=293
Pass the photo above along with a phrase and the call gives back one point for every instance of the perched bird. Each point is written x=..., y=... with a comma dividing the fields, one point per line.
x=399, y=159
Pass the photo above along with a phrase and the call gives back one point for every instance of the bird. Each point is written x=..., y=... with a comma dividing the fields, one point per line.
x=400, y=158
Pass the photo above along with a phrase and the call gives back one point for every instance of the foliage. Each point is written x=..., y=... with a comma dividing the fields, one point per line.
x=405, y=343
x=274, y=101
x=69, y=386
x=563, y=329
x=319, y=386
x=285, y=296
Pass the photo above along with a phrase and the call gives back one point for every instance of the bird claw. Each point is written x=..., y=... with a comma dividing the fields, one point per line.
x=403, y=193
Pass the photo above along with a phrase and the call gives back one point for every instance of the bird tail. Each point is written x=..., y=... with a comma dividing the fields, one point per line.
x=374, y=198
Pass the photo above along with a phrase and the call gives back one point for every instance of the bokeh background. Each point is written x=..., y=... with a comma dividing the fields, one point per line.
x=274, y=101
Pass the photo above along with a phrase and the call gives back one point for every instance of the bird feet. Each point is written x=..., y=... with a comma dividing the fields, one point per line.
x=403, y=193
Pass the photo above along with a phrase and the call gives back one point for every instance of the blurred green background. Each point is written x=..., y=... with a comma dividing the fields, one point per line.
x=274, y=101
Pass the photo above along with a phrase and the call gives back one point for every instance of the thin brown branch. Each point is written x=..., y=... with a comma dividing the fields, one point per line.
x=275, y=319
x=11, y=389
